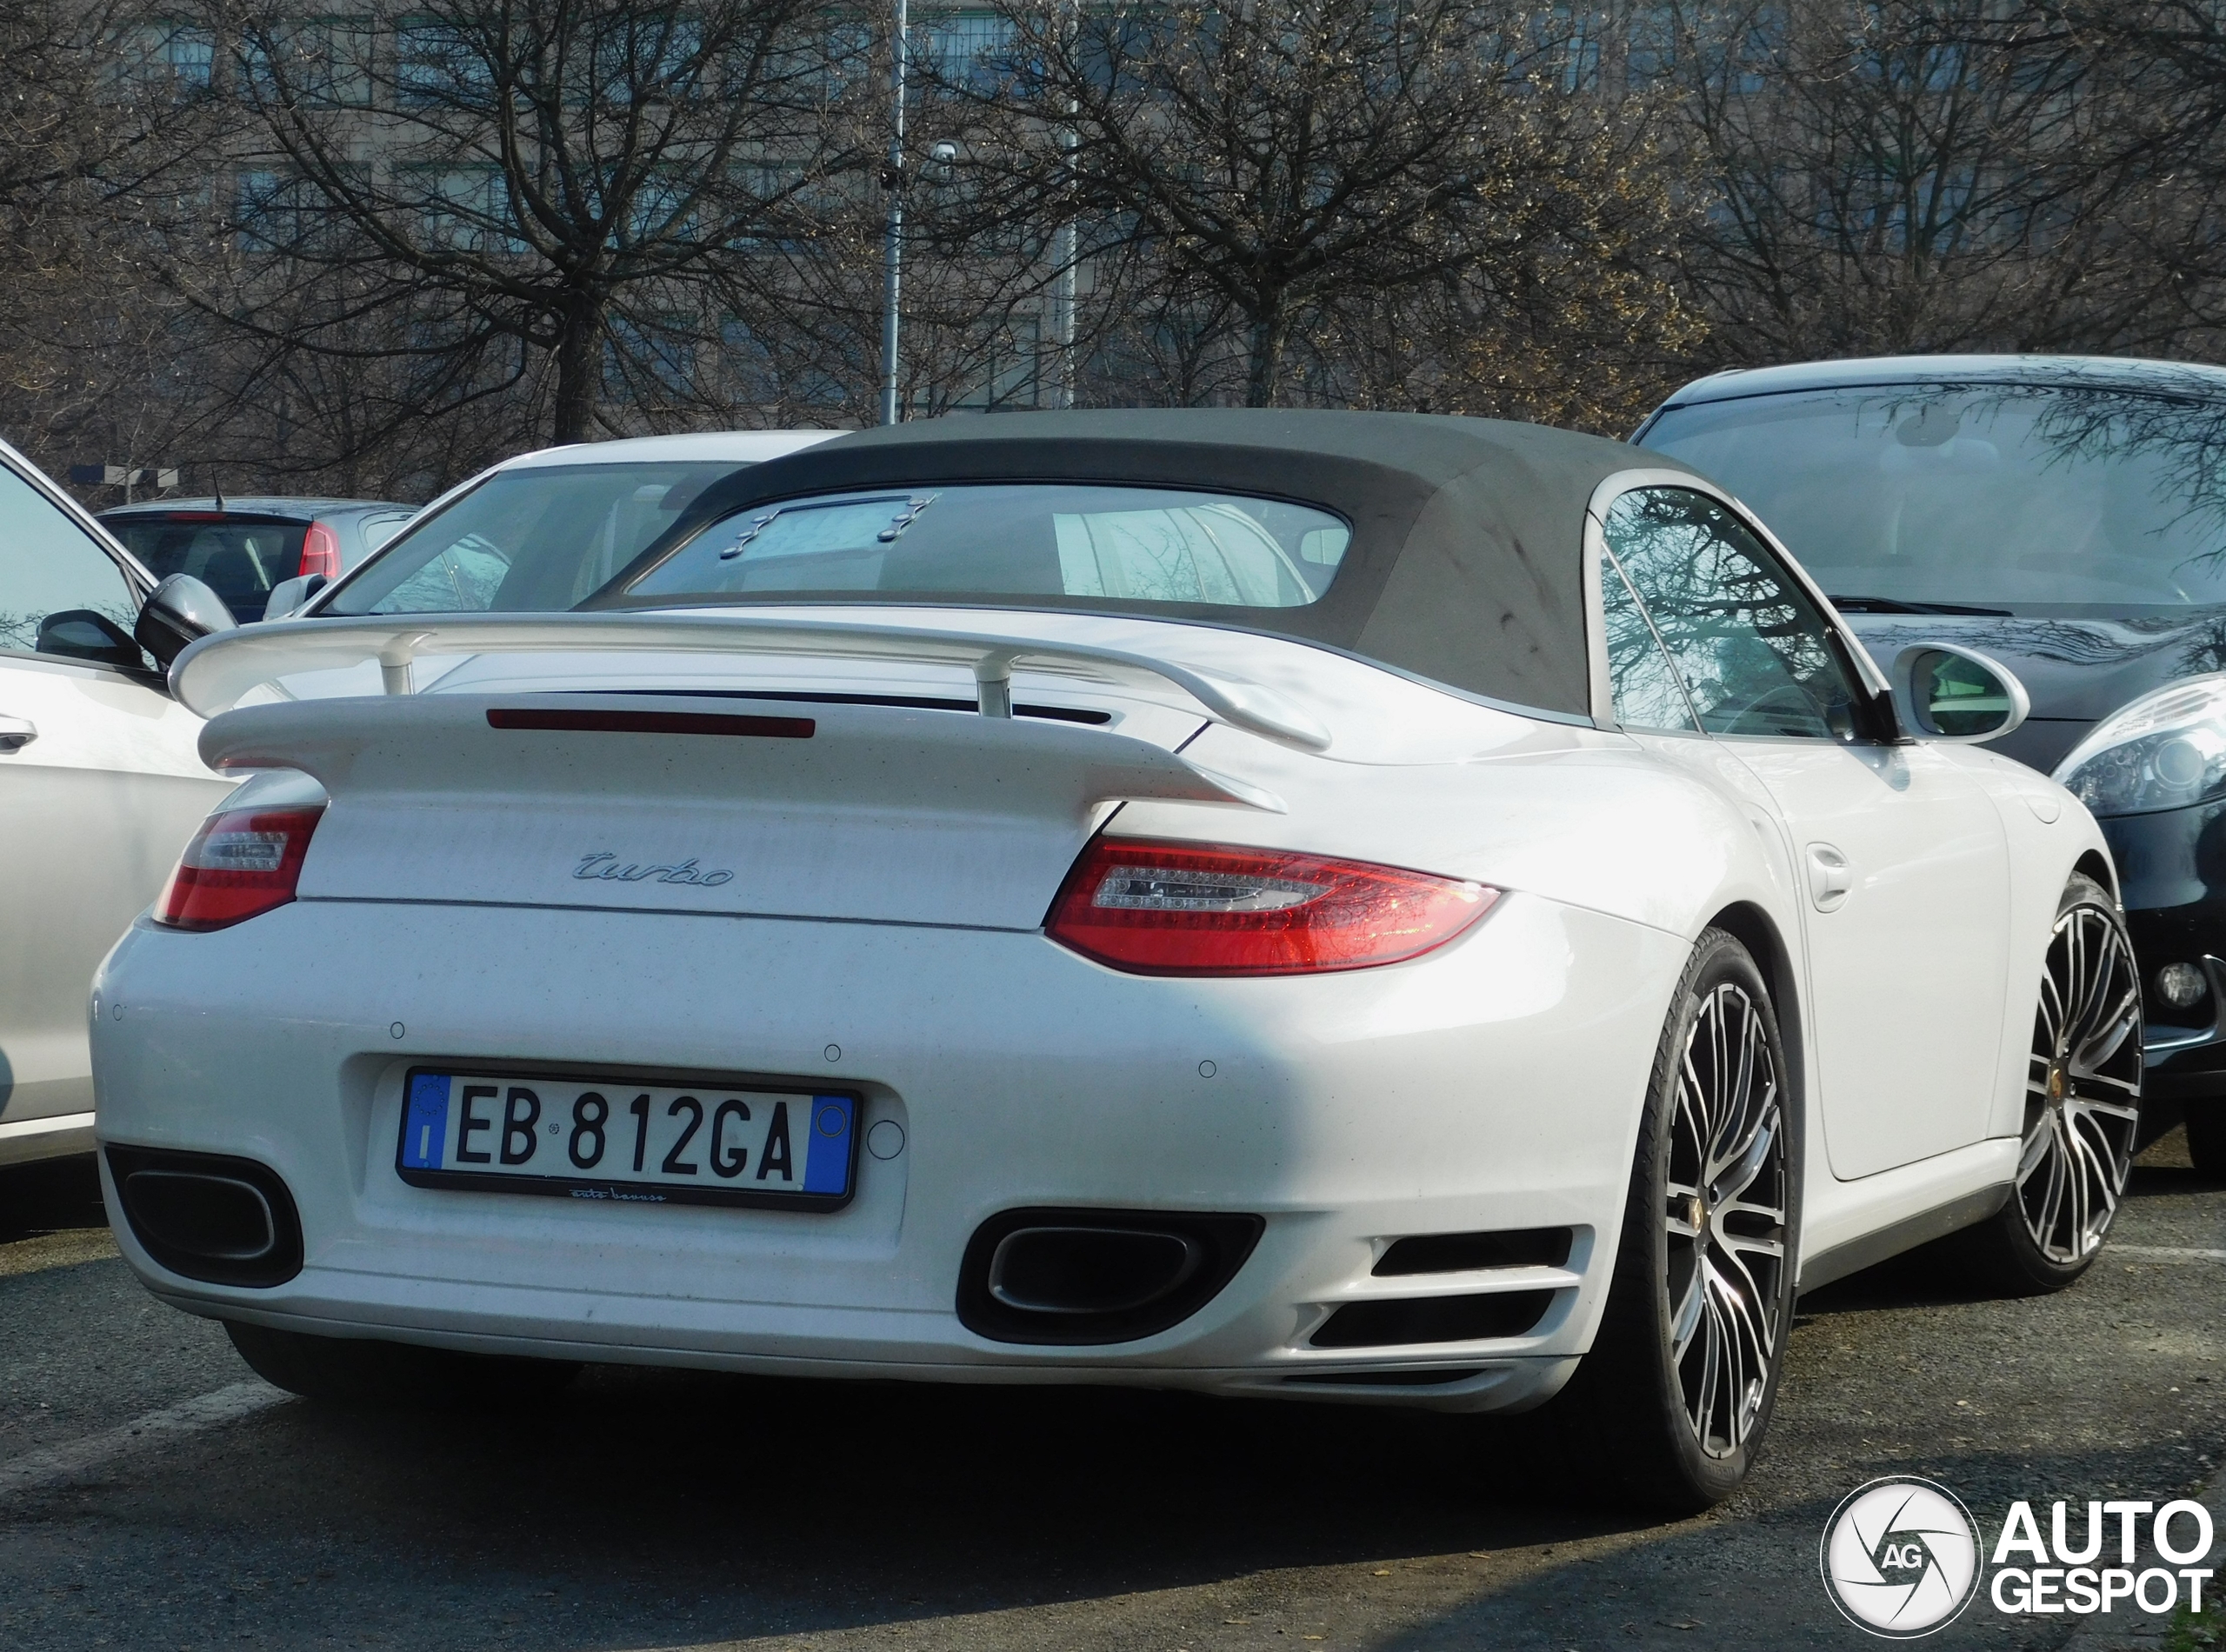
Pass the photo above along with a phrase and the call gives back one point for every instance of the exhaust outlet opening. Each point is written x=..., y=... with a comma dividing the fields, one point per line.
x=217, y=1217
x=1085, y=1277
x=1090, y=1270
x=223, y=1221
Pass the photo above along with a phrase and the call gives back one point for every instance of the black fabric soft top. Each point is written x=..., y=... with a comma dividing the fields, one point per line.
x=1466, y=557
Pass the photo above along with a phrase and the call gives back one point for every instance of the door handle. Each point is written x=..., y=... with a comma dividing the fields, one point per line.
x=15, y=733
x=1830, y=878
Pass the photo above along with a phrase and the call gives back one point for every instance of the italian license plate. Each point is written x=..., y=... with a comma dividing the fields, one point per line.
x=620, y=1140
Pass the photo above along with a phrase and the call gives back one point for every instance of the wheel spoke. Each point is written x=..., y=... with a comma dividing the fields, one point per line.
x=2051, y=1008
x=2127, y=1085
x=2094, y=1167
x=2109, y=1109
x=1687, y=1318
x=1711, y=1337
x=1751, y=1338
x=1739, y=1281
x=2106, y=1041
x=1770, y=1244
x=2036, y=1148
x=2052, y=1193
x=1741, y=1173
x=2071, y=1206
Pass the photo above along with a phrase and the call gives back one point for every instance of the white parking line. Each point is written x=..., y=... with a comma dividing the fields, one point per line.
x=2168, y=1253
x=43, y=1468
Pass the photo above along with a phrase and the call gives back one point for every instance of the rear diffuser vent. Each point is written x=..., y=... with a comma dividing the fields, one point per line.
x=1433, y=1319
x=1086, y=1276
x=1461, y=1253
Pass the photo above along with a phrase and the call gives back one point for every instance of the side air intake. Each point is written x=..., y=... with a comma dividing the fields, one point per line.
x=1433, y=1319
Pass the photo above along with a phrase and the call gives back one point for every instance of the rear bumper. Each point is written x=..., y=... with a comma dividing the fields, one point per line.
x=1495, y=1084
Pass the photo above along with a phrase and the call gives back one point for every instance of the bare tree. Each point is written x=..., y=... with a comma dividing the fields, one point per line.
x=1919, y=175
x=102, y=109
x=497, y=192
x=1289, y=160
x=2166, y=144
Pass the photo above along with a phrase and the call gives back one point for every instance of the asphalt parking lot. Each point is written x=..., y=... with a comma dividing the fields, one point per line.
x=152, y=1495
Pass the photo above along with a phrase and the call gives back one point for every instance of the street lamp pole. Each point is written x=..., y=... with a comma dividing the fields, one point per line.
x=1062, y=299
x=893, y=251
x=1063, y=244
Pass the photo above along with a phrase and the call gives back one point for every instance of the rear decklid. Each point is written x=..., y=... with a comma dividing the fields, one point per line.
x=719, y=805
x=798, y=785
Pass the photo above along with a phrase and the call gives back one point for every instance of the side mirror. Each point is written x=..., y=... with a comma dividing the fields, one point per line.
x=289, y=596
x=81, y=634
x=181, y=611
x=1958, y=695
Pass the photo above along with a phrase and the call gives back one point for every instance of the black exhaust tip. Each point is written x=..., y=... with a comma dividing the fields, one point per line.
x=223, y=1221
x=1084, y=1276
x=1089, y=1270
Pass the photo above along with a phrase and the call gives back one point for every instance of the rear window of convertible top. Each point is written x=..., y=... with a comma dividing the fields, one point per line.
x=1012, y=540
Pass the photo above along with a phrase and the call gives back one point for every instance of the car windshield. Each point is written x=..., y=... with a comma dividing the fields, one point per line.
x=1013, y=541
x=537, y=537
x=2007, y=498
x=240, y=561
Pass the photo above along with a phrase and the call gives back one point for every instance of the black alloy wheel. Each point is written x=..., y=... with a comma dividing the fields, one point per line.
x=1670, y=1407
x=2082, y=1102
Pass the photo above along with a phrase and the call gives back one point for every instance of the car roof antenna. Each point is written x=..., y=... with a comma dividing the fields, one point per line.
x=217, y=482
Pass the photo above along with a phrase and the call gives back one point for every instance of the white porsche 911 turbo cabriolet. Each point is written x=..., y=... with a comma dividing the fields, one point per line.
x=1382, y=907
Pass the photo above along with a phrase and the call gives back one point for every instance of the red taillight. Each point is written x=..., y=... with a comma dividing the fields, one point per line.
x=1163, y=908
x=321, y=552
x=242, y=862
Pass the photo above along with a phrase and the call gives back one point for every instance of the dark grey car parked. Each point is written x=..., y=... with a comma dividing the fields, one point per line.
x=242, y=549
x=2068, y=517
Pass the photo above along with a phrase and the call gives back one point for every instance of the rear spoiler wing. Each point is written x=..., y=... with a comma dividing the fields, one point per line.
x=213, y=674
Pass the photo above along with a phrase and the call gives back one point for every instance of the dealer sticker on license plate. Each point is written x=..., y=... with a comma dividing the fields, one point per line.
x=585, y=1137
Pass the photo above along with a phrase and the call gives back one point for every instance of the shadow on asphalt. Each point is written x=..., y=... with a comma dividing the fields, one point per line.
x=49, y=1196
x=1101, y=1488
x=1935, y=1275
x=767, y=1506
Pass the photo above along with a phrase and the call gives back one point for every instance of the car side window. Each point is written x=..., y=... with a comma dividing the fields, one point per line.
x=61, y=594
x=1755, y=655
x=1646, y=692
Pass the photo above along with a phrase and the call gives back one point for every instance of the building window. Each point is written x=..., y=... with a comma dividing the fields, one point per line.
x=176, y=54
x=435, y=63
x=964, y=49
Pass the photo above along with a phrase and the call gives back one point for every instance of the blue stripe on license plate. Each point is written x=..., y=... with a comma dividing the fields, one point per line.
x=426, y=1137
x=827, y=1161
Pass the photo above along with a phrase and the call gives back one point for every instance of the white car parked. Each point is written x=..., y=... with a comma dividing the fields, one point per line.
x=1368, y=906
x=100, y=780
x=544, y=531
x=101, y=785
